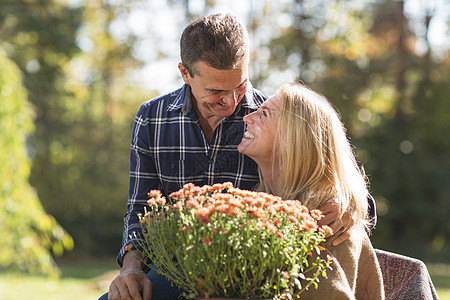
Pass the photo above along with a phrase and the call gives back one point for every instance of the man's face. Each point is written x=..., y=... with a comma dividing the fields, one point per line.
x=216, y=93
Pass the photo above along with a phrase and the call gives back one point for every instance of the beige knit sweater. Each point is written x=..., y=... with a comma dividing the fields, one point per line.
x=356, y=273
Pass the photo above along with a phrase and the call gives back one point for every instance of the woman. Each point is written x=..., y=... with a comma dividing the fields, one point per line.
x=300, y=146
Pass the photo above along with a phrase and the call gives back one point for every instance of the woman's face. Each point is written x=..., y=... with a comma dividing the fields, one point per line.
x=262, y=124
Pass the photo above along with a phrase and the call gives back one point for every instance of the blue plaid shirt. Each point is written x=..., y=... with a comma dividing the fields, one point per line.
x=169, y=149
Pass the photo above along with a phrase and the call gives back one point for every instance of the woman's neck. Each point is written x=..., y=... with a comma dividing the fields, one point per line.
x=268, y=173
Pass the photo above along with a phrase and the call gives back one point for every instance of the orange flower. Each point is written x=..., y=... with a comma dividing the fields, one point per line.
x=200, y=198
x=326, y=229
x=154, y=194
x=203, y=211
x=178, y=205
x=317, y=214
x=188, y=186
x=191, y=203
x=161, y=200
x=235, y=202
x=308, y=224
x=234, y=211
x=286, y=275
x=128, y=247
x=227, y=185
x=256, y=212
x=272, y=228
x=222, y=208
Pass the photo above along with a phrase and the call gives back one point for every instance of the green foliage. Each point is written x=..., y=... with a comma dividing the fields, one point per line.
x=85, y=108
x=394, y=103
x=29, y=235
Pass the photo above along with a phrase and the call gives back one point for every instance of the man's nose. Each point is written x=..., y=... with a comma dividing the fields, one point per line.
x=232, y=98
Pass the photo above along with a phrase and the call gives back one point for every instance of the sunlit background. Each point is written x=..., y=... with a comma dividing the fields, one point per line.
x=74, y=73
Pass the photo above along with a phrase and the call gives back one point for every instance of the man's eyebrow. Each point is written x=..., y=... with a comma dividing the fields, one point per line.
x=219, y=91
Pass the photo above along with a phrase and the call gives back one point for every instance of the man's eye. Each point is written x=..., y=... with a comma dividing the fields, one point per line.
x=263, y=113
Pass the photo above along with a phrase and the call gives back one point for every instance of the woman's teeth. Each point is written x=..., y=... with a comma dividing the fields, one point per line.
x=249, y=135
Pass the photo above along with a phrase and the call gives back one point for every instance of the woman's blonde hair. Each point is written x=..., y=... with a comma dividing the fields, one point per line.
x=314, y=157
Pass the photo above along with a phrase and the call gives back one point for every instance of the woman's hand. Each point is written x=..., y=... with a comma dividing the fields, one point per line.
x=347, y=221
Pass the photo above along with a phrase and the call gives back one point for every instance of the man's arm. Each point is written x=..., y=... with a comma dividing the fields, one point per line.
x=143, y=178
x=348, y=219
x=131, y=280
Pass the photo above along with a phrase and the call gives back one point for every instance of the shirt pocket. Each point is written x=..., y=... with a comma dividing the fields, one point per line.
x=174, y=173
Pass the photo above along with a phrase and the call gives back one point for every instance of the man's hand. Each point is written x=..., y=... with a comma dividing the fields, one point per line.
x=331, y=211
x=131, y=281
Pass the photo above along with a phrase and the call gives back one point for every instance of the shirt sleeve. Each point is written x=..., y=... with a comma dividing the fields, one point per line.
x=143, y=178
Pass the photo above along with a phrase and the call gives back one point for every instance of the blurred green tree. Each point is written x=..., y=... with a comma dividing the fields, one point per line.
x=28, y=234
x=394, y=103
x=85, y=104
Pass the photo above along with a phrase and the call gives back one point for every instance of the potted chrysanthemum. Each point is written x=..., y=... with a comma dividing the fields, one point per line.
x=222, y=241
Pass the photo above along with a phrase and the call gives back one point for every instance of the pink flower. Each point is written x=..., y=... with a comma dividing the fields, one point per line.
x=206, y=241
x=293, y=219
x=204, y=220
x=286, y=275
x=184, y=228
x=277, y=223
x=281, y=235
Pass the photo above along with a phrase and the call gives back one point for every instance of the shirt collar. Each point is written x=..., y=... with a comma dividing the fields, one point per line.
x=182, y=100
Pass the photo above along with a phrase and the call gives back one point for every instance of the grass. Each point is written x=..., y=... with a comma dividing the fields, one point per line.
x=90, y=278
x=81, y=279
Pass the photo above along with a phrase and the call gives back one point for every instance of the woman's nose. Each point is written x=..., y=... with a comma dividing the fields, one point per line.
x=249, y=118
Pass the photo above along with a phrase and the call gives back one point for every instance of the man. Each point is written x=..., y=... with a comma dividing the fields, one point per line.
x=191, y=135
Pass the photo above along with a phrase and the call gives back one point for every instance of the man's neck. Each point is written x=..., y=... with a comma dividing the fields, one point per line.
x=208, y=125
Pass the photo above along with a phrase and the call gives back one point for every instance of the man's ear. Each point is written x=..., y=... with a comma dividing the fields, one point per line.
x=184, y=73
